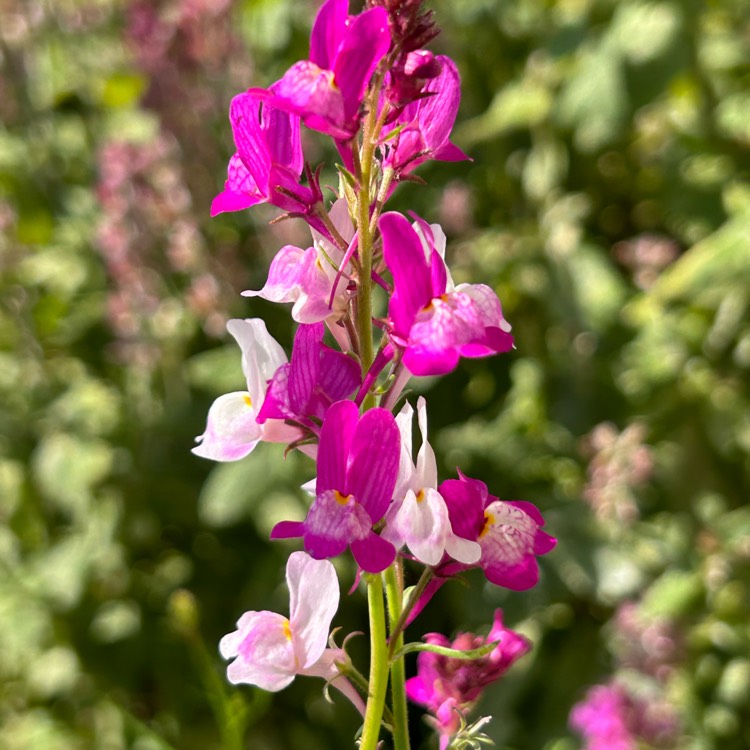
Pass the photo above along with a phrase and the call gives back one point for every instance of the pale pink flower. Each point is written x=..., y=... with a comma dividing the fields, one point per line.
x=418, y=517
x=232, y=430
x=269, y=650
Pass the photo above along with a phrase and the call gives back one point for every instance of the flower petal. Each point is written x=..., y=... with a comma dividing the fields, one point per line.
x=231, y=429
x=332, y=522
x=313, y=601
x=240, y=190
x=405, y=258
x=264, y=652
x=244, y=114
x=335, y=443
x=262, y=355
x=328, y=31
x=366, y=42
x=373, y=554
x=374, y=460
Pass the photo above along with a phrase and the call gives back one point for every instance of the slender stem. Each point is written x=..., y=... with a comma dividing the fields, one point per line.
x=378, y=665
x=398, y=629
x=394, y=594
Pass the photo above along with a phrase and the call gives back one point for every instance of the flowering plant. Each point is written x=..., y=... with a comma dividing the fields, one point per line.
x=389, y=104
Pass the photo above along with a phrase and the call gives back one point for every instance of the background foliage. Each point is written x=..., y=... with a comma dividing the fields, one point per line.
x=608, y=204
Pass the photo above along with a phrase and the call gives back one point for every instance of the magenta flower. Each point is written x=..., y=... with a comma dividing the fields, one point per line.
x=307, y=278
x=317, y=376
x=232, y=430
x=433, y=322
x=418, y=517
x=269, y=650
x=509, y=532
x=357, y=466
x=449, y=687
x=602, y=719
x=327, y=90
x=424, y=126
x=268, y=163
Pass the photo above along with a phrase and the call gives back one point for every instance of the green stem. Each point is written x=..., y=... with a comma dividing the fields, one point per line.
x=394, y=594
x=398, y=629
x=378, y=665
x=364, y=199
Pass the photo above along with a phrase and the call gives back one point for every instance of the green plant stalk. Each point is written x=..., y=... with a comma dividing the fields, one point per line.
x=394, y=595
x=378, y=665
x=397, y=630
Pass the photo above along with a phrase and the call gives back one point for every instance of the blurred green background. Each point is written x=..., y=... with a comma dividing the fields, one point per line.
x=608, y=204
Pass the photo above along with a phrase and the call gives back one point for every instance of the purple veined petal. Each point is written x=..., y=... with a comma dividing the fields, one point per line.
x=333, y=522
x=423, y=362
x=493, y=342
x=406, y=150
x=450, y=152
x=418, y=691
x=438, y=275
x=229, y=201
x=465, y=502
x=326, y=668
x=276, y=404
x=438, y=113
x=305, y=365
x=284, y=274
x=231, y=430
x=423, y=230
x=240, y=190
x=374, y=460
x=328, y=32
x=366, y=42
x=373, y=554
x=263, y=649
x=288, y=530
x=433, y=241
x=529, y=509
x=244, y=114
x=311, y=93
x=262, y=355
x=487, y=303
x=313, y=601
x=336, y=437
x=511, y=647
x=507, y=540
x=544, y=543
x=522, y=576
x=438, y=332
x=339, y=374
x=283, y=139
x=404, y=256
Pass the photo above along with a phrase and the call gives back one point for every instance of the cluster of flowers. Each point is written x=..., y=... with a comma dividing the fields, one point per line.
x=635, y=705
x=388, y=104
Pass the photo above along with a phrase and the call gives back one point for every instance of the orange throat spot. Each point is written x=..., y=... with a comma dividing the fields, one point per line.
x=489, y=520
x=340, y=498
